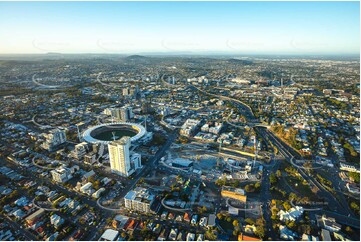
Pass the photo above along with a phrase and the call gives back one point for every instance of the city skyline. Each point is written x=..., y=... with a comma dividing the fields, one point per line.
x=173, y=27
x=180, y=121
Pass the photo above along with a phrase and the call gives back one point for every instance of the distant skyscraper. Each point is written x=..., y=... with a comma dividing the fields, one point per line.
x=126, y=113
x=120, y=114
x=121, y=161
x=126, y=91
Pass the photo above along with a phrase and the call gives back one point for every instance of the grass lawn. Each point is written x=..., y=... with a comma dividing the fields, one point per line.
x=303, y=190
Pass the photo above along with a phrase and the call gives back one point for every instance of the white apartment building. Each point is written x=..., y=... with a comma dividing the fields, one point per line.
x=139, y=199
x=121, y=160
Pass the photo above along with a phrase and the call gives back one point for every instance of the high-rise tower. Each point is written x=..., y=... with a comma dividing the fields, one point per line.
x=119, y=156
x=122, y=161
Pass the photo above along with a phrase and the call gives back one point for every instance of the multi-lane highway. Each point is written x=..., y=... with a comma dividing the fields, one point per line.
x=266, y=197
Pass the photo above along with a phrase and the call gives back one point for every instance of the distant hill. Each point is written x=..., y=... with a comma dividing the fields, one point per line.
x=136, y=58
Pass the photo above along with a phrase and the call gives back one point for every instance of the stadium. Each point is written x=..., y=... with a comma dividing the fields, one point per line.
x=105, y=133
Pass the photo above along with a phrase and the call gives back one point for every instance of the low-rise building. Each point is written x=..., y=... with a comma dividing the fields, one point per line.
x=353, y=188
x=326, y=235
x=328, y=223
x=182, y=163
x=80, y=150
x=90, y=158
x=56, y=220
x=189, y=127
x=109, y=235
x=211, y=220
x=173, y=234
x=139, y=199
x=242, y=237
x=234, y=193
x=32, y=218
x=190, y=237
x=61, y=174
x=98, y=192
x=55, y=138
x=87, y=188
x=286, y=233
x=292, y=215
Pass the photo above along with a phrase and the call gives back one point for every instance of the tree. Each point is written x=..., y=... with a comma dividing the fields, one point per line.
x=293, y=196
x=306, y=228
x=286, y=205
x=109, y=220
x=257, y=186
x=249, y=221
x=221, y=182
x=260, y=222
x=274, y=217
x=278, y=173
x=273, y=179
x=349, y=230
x=354, y=176
x=349, y=147
x=235, y=184
x=96, y=184
x=260, y=232
x=291, y=224
x=235, y=223
x=141, y=180
x=210, y=235
x=248, y=188
x=355, y=207
x=202, y=210
x=274, y=211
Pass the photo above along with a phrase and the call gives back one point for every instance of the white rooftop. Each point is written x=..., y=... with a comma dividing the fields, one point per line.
x=109, y=235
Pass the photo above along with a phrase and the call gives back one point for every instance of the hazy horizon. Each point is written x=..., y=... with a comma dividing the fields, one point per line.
x=247, y=28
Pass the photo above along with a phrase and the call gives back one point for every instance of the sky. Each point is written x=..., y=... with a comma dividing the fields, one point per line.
x=196, y=27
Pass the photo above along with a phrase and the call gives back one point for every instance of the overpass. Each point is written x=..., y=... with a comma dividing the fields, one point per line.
x=291, y=156
x=226, y=98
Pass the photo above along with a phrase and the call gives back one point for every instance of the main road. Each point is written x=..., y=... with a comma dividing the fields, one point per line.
x=151, y=165
x=29, y=236
x=266, y=197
